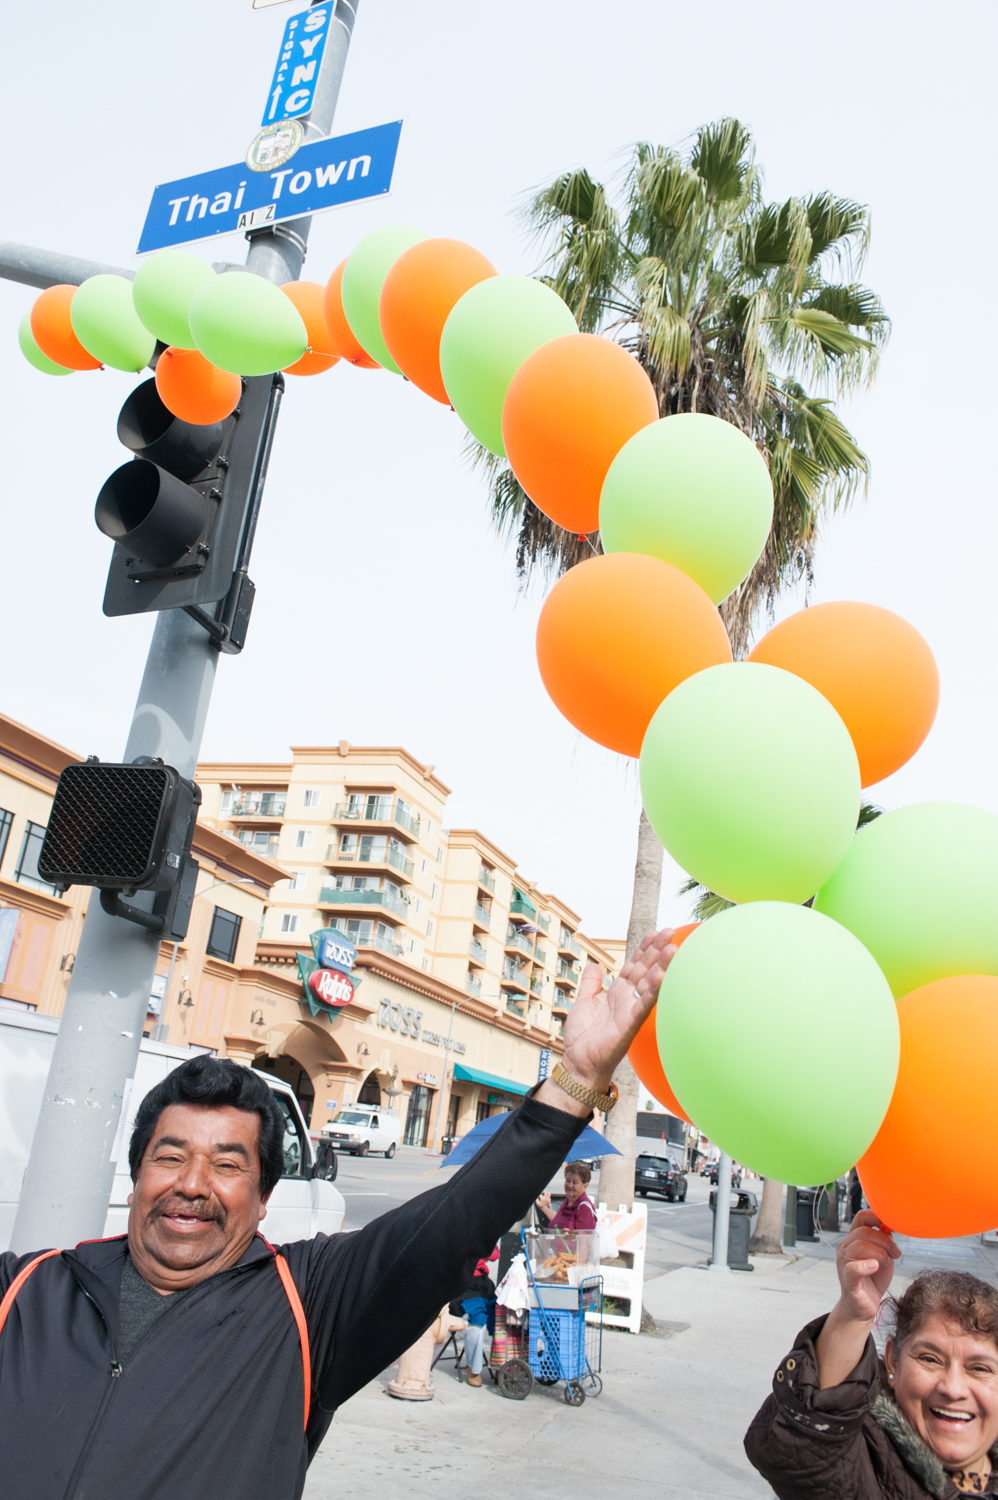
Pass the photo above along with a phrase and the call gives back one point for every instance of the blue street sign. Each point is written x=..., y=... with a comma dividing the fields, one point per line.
x=544, y=1064
x=299, y=63
x=322, y=174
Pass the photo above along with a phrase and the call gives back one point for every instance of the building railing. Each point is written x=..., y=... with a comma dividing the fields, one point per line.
x=567, y=944
x=540, y=956
x=536, y=985
x=511, y=974
x=515, y=939
x=266, y=807
x=487, y=879
x=331, y=897
x=478, y=951
x=268, y=850
x=473, y=986
x=566, y=971
x=544, y=923
x=482, y=914
x=520, y=907
x=389, y=856
x=515, y=1006
x=377, y=812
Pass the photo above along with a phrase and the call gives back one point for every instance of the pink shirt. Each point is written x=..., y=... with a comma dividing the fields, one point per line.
x=578, y=1215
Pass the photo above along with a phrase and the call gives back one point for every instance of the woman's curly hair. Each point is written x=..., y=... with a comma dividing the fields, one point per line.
x=967, y=1301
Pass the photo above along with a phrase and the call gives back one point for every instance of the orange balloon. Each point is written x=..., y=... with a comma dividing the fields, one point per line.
x=53, y=332
x=930, y=1171
x=416, y=299
x=194, y=389
x=644, y=1057
x=616, y=635
x=341, y=336
x=875, y=670
x=570, y=408
x=320, y=356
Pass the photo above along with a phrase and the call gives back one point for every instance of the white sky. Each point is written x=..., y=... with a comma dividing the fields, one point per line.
x=386, y=609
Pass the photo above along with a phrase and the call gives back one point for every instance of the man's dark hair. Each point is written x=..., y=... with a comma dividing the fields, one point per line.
x=215, y=1082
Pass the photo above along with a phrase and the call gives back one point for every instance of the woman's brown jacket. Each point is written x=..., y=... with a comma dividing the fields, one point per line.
x=849, y=1442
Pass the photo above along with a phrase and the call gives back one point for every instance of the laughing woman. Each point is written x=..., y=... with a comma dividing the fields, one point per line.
x=843, y=1425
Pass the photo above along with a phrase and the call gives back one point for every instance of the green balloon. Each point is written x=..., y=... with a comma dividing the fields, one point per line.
x=33, y=354
x=780, y=1039
x=363, y=277
x=919, y=887
x=491, y=330
x=751, y=782
x=246, y=325
x=105, y=322
x=162, y=291
x=694, y=491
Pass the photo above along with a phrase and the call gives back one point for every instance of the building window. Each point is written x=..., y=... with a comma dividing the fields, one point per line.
x=435, y=890
x=440, y=856
x=412, y=945
x=429, y=827
x=425, y=862
x=298, y=881
x=289, y=923
x=310, y=798
x=226, y=806
x=417, y=1120
x=303, y=838
x=419, y=907
x=26, y=872
x=6, y=821
x=426, y=965
x=429, y=929
x=348, y=843
x=224, y=934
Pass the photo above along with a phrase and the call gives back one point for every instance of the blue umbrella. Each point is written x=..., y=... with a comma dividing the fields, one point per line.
x=589, y=1143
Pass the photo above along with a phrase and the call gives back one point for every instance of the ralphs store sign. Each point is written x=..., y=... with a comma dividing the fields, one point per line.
x=331, y=988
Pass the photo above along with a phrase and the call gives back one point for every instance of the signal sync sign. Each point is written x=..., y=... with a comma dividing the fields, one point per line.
x=299, y=64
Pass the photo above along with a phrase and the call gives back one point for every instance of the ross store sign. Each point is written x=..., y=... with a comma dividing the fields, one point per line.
x=331, y=988
x=336, y=952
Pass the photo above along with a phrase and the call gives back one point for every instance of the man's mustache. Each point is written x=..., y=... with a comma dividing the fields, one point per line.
x=192, y=1208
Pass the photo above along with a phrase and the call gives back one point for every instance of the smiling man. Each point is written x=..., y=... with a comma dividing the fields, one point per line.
x=190, y=1358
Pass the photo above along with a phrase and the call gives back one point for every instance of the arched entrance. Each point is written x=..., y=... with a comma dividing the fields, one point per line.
x=299, y=1056
x=370, y=1092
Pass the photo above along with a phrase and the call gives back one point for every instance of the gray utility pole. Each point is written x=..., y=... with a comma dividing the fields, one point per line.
x=67, y=1182
x=722, y=1203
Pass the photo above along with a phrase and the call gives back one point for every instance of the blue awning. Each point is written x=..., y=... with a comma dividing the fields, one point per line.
x=475, y=1075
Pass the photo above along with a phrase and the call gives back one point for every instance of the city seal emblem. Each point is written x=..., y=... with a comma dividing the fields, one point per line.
x=274, y=145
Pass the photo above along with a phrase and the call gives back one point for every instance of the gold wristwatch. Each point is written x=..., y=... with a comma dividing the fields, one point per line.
x=602, y=1102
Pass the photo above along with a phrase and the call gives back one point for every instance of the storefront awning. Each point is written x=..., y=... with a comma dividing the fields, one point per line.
x=475, y=1075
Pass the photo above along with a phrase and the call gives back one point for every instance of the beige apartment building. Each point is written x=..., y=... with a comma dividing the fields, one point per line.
x=465, y=969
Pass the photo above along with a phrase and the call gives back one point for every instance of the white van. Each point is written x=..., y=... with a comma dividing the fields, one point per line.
x=362, y=1128
x=304, y=1202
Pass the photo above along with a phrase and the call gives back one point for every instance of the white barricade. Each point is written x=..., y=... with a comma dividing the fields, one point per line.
x=625, y=1283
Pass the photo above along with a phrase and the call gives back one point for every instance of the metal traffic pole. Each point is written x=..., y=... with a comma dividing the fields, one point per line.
x=67, y=1182
x=722, y=1204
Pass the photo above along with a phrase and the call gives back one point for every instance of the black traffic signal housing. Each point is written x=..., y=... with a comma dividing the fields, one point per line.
x=126, y=828
x=183, y=512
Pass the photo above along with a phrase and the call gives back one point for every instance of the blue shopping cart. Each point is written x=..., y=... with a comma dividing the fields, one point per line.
x=560, y=1344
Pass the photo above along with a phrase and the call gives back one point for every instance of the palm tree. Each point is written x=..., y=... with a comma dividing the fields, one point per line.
x=739, y=308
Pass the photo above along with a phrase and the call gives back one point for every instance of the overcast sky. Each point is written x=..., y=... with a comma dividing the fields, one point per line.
x=387, y=610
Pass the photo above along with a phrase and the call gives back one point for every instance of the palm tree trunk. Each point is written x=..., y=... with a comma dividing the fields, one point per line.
x=616, y=1181
x=768, y=1237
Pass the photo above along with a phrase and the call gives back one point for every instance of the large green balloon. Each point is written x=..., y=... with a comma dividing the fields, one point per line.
x=751, y=781
x=33, y=354
x=105, y=322
x=780, y=1039
x=162, y=291
x=694, y=491
x=363, y=277
x=919, y=887
x=491, y=330
x=246, y=325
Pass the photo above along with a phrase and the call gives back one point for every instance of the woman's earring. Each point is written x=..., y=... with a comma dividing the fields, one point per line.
x=890, y=1377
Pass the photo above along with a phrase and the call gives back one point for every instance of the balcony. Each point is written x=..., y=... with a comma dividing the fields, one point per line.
x=521, y=907
x=488, y=880
x=516, y=939
x=473, y=986
x=567, y=972
x=515, y=977
x=567, y=944
x=382, y=899
x=544, y=923
x=258, y=809
x=265, y=847
x=536, y=984
x=515, y=1006
x=377, y=810
x=562, y=1004
x=478, y=953
x=540, y=957
x=389, y=856
x=379, y=940
x=482, y=917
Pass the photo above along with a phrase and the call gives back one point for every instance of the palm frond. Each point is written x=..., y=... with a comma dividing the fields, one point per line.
x=723, y=157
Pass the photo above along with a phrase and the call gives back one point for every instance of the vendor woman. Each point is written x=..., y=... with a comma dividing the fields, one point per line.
x=578, y=1210
x=842, y=1424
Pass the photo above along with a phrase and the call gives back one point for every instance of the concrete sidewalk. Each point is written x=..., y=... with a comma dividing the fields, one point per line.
x=670, y=1419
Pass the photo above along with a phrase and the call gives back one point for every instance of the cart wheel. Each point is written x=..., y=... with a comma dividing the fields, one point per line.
x=594, y=1383
x=515, y=1380
x=574, y=1394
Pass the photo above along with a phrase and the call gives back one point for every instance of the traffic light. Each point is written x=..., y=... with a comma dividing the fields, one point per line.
x=125, y=828
x=183, y=512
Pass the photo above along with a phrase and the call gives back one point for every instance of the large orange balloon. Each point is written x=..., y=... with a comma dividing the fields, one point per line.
x=931, y=1169
x=53, y=332
x=320, y=356
x=416, y=299
x=570, y=408
x=194, y=389
x=644, y=1056
x=875, y=670
x=616, y=635
x=341, y=335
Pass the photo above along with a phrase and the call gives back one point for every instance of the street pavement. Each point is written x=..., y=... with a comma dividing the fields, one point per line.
x=675, y=1404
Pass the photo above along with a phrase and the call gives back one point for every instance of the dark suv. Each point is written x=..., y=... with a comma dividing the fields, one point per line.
x=657, y=1174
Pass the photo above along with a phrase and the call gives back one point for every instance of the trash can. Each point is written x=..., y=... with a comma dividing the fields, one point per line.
x=740, y=1214
x=805, y=1213
x=447, y=1144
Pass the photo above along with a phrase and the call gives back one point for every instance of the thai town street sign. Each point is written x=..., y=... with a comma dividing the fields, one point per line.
x=298, y=64
x=320, y=175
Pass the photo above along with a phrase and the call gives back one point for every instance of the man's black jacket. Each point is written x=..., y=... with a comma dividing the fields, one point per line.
x=210, y=1406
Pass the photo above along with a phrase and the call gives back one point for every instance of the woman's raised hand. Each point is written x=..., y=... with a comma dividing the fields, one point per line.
x=865, y=1263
